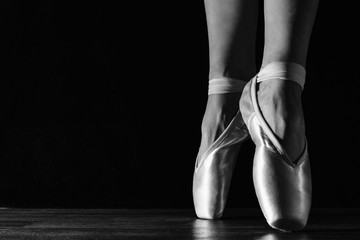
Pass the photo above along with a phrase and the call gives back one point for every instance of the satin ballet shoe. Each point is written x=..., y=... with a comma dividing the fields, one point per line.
x=283, y=187
x=214, y=168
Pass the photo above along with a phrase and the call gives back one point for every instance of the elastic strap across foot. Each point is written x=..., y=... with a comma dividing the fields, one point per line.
x=225, y=85
x=283, y=70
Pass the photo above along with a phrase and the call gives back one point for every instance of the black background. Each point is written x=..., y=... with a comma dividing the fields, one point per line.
x=102, y=103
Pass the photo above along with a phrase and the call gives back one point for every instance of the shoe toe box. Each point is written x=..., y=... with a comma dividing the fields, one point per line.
x=288, y=224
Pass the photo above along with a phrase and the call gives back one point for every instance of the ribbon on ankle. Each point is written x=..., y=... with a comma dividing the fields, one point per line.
x=283, y=70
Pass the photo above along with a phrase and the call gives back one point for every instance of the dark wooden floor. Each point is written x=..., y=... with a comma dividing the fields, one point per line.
x=168, y=224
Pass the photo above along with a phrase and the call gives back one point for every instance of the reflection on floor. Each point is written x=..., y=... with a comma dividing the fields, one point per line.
x=168, y=224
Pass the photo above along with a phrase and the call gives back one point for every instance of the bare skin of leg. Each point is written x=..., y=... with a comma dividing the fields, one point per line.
x=288, y=27
x=232, y=33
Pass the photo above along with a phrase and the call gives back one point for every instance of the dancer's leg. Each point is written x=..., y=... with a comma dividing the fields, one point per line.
x=288, y=27
x=232, y=34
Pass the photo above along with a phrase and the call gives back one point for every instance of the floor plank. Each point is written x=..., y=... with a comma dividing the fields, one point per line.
x=168, y=224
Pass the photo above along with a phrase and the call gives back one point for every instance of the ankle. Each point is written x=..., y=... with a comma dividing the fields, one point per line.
x=220, y=110
x=278, y=86
x=280, y=101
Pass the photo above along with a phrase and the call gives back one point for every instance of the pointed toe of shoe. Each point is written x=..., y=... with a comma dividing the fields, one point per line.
x=208, y=193
x=210, y=187
x=208, y=213
x=288, y=224
x=283, y=191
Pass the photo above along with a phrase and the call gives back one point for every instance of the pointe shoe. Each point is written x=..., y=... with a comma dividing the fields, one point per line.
x=283, y=187
x=214, y=169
